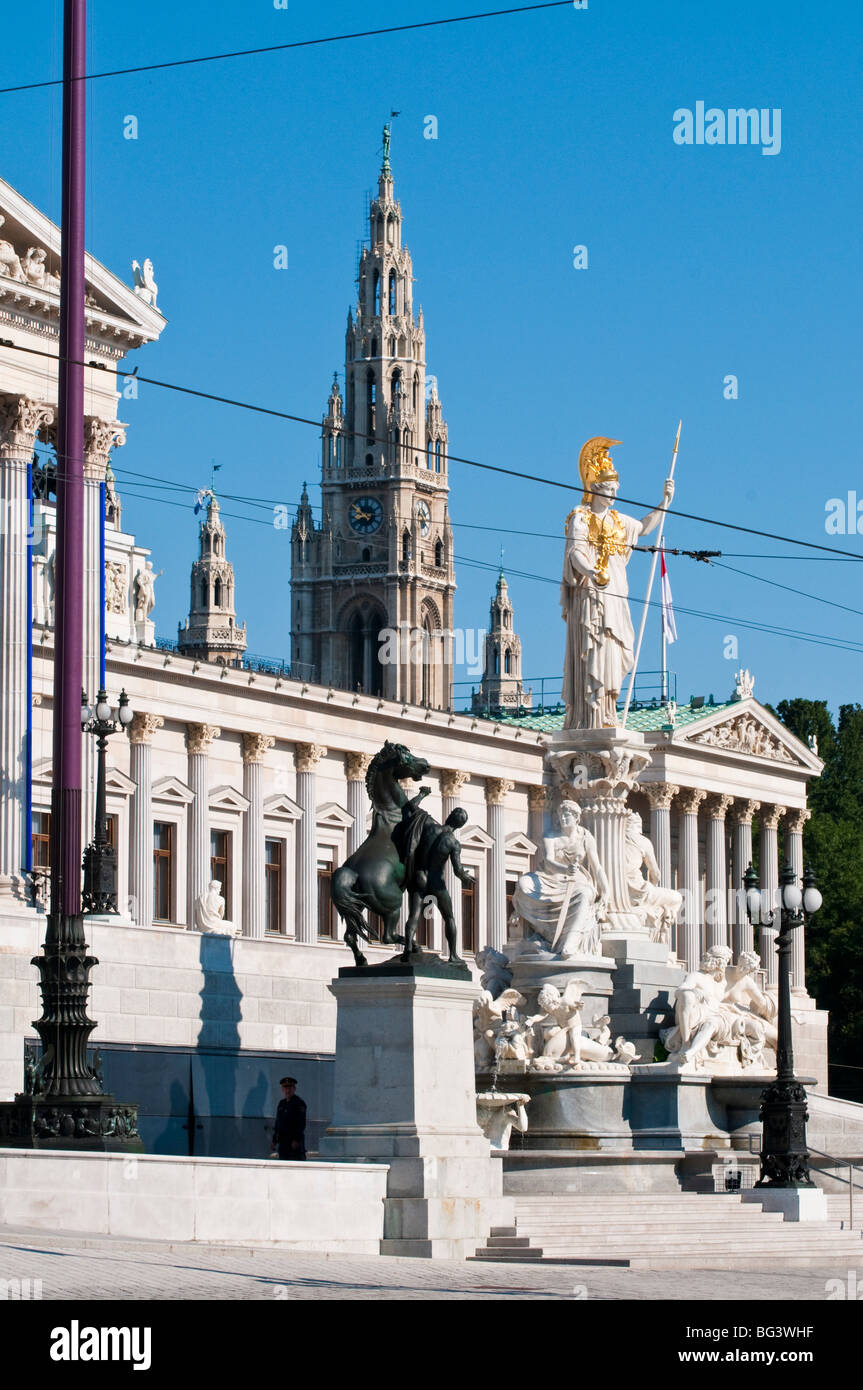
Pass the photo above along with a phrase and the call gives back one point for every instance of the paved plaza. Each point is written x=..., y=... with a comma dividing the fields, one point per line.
x=89, y=1268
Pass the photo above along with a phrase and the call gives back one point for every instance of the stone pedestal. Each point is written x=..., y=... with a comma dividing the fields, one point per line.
x=530, y=971
x=795, y=1203
x=645, y=987
x=405, y=1095
x=598, y=768
x=145, y=633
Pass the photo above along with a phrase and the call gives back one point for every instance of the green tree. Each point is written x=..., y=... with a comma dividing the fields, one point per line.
x=833, y=846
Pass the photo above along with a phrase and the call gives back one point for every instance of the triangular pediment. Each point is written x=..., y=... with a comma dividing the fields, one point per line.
x=281, y=807
x=113, y=309
x=331, y=813
x=474, y=837
x=747, y=729
x=227, y=799
x=172, y=790
x=518, y=843
x=118, y=784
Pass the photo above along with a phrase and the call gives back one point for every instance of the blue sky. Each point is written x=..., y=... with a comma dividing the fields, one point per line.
x=554, y=130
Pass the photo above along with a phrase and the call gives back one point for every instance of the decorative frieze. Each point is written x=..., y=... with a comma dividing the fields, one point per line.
x=744, y=734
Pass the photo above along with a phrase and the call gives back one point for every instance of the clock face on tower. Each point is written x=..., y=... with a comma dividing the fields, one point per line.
x=424, y=517
x=365, y=515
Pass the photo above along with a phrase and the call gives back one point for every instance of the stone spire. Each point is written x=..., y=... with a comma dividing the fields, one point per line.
x=501, y=686
x=212, y=632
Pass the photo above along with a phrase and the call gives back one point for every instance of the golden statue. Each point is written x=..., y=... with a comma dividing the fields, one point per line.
x=594, y=593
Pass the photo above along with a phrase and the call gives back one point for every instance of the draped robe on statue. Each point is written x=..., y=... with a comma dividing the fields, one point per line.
x=599, y=633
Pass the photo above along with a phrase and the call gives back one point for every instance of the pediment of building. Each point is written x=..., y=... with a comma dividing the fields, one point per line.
x=751, y=730
x=173, y=791
x=30, y=275
x=518, y=843
x=281, y=807
x=227, y=799
x=332, y=814
x=474, y=837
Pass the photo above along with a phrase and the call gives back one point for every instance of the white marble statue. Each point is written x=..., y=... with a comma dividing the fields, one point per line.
x=563, y=901
x=498, y=1111
x=498, y=1029
x=757, y=1008
x=496, y=973
x=594, y=592
x=10, y=263
x=35, y=271
x=145, y=592
x=145, y=286
x=658, y=907
x=210, y=911
x=722, y=1018
x=560, y=1043
x=115, y=586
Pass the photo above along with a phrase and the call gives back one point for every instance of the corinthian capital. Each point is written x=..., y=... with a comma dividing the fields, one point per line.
x=20, y=422
x=537, y=798
x=256, y=746
x=796, y=818
x=100, y=437
x=744, y=811
x=496, y=789
x=308, y=755
x=659, y=794
x=143, y=727
x=771, y=816
x=451, y=781
x=357, y=765
x=717, y=806
x=690, y=799
x=200, y=736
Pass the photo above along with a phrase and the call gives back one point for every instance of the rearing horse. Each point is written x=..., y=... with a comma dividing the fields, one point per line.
x=373, y=877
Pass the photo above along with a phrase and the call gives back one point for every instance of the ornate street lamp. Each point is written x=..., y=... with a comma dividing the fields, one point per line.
x=783, y=1112
x=100, y=858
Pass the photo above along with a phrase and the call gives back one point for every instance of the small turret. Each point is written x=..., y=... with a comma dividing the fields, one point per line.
x=211, y=632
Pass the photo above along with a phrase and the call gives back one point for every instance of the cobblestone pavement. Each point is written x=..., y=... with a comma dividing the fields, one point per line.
x=102, y=1268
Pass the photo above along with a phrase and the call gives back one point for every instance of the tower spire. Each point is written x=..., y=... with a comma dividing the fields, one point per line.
x=501, y=687
x=211, y=632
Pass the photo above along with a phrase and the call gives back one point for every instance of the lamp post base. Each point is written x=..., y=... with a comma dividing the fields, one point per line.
x=96, y=1123
x=784, y=1155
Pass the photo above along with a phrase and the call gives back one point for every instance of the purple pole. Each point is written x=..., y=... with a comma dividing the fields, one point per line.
x=69, y=595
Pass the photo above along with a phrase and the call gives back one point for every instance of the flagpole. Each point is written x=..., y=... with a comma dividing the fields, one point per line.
x=650, y=588
x=664, y=676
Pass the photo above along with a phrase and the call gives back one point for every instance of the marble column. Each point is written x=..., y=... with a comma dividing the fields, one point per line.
x=716, y=913
x=255, y=749
x=770, y=816
x=100, y=437
x=356, y=767
x=689, y=934
x=307, y=757
x=537, y=809
x=451, y=783
x=141, y=731
x=660, y=795
x=496, y=789
x=199, y=738
x=743, y=936
x=794, y=823
x=20, y=421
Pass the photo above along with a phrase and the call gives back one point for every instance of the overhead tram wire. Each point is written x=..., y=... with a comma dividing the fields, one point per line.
x=298, y=43
x=457, y=458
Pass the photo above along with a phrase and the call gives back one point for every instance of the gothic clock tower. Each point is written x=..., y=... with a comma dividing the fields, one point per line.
x=373, y=584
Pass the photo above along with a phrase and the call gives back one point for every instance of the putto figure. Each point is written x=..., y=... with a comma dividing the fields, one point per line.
x=594, y=594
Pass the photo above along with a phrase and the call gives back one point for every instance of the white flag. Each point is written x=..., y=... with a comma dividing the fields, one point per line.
x=669, y=627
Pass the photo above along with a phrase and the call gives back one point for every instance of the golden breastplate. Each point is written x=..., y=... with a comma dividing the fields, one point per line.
x=607, y=535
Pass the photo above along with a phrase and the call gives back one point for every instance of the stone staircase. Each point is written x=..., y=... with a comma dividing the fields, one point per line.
x=654, y=1231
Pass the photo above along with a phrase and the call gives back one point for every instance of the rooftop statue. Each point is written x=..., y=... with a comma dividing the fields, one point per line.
x=594, y=593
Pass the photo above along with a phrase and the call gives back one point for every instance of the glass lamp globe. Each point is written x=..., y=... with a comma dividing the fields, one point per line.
x=124, y=714
x=103, y=709
x=792, y=897
x=753, y=904
x=812, y=899
x=86, y=714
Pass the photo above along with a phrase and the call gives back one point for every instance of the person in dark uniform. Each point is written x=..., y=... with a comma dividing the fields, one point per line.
x=290, y=1128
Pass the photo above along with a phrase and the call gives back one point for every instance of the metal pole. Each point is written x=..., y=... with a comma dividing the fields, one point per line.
x=69, y=603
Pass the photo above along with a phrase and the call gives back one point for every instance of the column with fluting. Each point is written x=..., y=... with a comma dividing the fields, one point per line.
x=716, y=907
x=356, y=767
x=689, y=934
x=770, y=816
x=794, y=823
x=307, y=757
x=100, y=437
x=496, y=789
x=255, y=748
x=660, y=795
x=141, y=731
x=451, y=783
x=199, y=738
x=537, y=809
x=743, y=936
x=20, y=421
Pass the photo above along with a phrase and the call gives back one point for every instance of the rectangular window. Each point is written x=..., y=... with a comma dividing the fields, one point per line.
x=220, y=864
x=273, y=861
x=468, y=918
x=163, y=871
x=326, y=911
x=41, y=840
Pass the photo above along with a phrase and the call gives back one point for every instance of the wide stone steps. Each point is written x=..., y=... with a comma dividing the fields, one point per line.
x=643, y=1231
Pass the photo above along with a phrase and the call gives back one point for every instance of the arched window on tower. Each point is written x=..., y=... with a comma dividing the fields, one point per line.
x=406, y=547
x=392, y=292
x=370, y=462
x=367, y=554
x=379, y=233
x=427, y=652
x=438, y=554
x=376, y=292
x=397, y=384
x=437, y=456
x=204, y=593
x=371, y=401
x=430, y=454
x=217, y=592
x=391, y=230
x=415, y=390
x=338, y=451
x=374, y=351
x=507, y=662
x=497, y=661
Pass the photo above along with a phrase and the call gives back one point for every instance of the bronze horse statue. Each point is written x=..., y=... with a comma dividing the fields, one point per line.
x=374, y=877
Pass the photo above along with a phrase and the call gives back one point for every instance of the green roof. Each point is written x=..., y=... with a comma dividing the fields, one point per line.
x=649, y=719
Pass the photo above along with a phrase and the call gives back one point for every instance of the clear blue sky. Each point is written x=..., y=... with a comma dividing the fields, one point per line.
x=555, y=129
